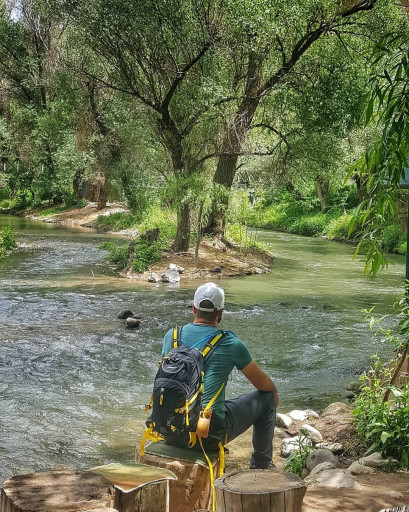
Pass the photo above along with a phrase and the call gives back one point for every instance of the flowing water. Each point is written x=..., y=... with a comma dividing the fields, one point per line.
x=73, y=379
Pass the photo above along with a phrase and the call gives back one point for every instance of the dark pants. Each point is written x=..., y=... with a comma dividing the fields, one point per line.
x=256, y=408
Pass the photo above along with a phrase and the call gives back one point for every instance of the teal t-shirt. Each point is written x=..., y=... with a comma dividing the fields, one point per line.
x=229, y=352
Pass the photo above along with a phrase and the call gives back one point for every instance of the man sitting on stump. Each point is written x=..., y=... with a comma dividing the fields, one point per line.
x=230, y=418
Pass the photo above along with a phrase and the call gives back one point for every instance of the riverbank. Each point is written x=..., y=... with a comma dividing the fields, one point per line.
x=379, y=489
x=216, y=259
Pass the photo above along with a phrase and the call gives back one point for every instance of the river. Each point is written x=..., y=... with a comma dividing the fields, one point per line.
x=73, y=379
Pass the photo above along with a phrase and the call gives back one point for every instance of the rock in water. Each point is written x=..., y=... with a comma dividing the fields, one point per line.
x=133, y=323
x=153, y=278
x=126, y=313
x=171, y=276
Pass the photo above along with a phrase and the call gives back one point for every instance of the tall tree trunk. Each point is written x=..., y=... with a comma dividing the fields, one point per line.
x=182, y=240
x=322, y=189
x=231, y=148
x=172, y=141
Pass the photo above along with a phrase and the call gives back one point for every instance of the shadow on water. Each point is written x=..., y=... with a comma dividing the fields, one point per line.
x=73, y=379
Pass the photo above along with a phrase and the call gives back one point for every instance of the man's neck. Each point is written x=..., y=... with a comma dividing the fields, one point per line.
x=204, y=322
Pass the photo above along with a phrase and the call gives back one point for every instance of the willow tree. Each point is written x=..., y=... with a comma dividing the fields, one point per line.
x=152, y=50
x=272, y=39
x=30, y=87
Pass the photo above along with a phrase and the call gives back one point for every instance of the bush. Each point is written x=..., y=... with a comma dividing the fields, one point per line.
x=338, y=227
x=145, y=254
x=7, y=241
x=117, y=221
x=162, y=219
x=296, y=462
x=117, y=254
x=139, y=254
x=310, y=226
x=392, y=238
x=383, y=426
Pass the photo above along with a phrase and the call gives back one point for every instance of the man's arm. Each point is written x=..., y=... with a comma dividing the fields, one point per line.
x=260, y=379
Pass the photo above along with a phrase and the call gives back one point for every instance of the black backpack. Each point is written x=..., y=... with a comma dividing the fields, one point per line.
x=176, y=400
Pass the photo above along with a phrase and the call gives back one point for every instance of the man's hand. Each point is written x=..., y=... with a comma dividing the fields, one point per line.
x=260, y=379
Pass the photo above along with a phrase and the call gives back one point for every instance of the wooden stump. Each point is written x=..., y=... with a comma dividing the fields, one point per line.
x=192, y=490
x=148, y=498
x=260, y=490
x=60, y=491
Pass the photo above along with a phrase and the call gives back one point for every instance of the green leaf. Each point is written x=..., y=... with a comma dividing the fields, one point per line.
x=385, y=436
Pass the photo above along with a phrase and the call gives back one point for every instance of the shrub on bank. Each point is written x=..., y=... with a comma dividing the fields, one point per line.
x=393, y=238
x=139, y=254
x=383, y=425
x=7, y=241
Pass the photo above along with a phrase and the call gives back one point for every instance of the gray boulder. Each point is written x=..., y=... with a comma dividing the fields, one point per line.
x=335, y=448
x=282, y=420
x=335, y=478
x=171, y=276
x=279, y=433
x=324, y=466
x=336, y=409
x=314, y=434
x=319, y=456
x=153, y=278
x=373, y=461
x=358, y=469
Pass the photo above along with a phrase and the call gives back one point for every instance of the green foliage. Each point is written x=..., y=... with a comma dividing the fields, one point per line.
x=382, y=408
x=7, y=240
x=117, y=221
x=138, y=254
x=310, y=226
x=296, y=462
x=384, y=162
x=145, y=254
x=118, y=254
x=393, y=237
x=338, y=228
x=162, y=219
x=384, y=426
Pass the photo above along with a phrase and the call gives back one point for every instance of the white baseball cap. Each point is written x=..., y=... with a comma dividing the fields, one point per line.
x=211, y=292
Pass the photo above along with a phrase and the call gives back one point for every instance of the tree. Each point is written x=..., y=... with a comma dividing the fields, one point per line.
x=152, y=50
x=267, y=63
x=383, y=166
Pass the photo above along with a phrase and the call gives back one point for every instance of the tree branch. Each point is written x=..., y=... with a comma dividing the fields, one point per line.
x=181, y=75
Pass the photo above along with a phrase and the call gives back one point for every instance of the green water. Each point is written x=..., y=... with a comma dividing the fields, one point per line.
x=73, y=380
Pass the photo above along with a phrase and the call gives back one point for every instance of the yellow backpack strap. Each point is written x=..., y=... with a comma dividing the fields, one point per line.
x=192, y=439
x=211, y=344
x=212, y=401
x=176, y=337
x=209, y=463
x=222, y=459
x=152, y=436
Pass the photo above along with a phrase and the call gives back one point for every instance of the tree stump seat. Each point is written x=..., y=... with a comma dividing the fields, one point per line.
x=261, y=490
x=59, y=491
x=138, y=487
x=192, y=490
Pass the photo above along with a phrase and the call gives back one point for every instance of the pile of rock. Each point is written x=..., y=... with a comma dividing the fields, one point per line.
x=171, y=275
x=132, y=320
x=323, y=467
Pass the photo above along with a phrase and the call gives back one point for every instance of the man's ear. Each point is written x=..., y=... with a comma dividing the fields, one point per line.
x=194, y=309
